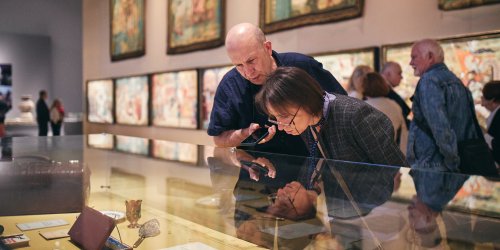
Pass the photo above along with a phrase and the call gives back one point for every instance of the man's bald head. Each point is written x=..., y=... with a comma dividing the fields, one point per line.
x=244, y=34
x=392, y=73
x=250, y=52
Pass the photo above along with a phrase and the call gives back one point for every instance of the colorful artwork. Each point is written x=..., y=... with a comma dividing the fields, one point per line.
x=102, y=141
x=175, y=151
x=210, y=80
x=276, y=15
x=132, y=95
x=134, y=145
x=127, y=29
x=462, y=4
x=474, y=59
x=341, y=64
x=175, y=99
x=100, y=101
x=194, y=25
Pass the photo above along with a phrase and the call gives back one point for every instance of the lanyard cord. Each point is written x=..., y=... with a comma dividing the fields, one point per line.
x=346, y=190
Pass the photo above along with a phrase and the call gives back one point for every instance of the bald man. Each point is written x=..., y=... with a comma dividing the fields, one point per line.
x=393, y=74
x=235, y=116
x=442, y=111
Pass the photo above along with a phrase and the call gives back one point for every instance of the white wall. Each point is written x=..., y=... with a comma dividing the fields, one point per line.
x=30, y=57
x=383, y=22
x=61, y=20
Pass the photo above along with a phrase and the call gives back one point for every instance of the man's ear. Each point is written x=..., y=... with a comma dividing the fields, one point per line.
x=268, y=47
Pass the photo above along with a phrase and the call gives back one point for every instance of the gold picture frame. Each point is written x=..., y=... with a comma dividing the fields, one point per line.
x=127, y=29
x=277, y=15
x=195, y=25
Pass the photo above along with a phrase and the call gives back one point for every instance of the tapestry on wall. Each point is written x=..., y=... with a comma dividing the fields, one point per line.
x=462, y=4
x=276, y=15
x=127, y=29
x=195, y=25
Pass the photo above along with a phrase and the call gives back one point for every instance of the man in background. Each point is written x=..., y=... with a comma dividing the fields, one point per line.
x=392, y=73
x=42, y=114
x=442, y=111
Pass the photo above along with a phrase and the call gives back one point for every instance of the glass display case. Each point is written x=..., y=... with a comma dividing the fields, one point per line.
x=236, y=199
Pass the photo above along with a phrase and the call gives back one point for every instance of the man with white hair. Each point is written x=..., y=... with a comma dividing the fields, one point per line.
x=442, y=111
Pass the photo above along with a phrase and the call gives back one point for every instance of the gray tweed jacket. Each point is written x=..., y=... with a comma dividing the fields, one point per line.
x=355, y=131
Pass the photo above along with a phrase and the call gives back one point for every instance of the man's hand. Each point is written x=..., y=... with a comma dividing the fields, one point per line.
x=272, y=132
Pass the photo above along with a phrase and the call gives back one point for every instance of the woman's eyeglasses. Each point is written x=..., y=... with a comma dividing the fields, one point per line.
x=274, y=121
x=289, y=198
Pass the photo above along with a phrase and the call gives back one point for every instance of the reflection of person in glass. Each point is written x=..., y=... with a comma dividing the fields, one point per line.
x=434, y=192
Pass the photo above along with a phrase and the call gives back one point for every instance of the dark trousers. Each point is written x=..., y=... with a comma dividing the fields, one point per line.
x=56, y=128
x=43, y=128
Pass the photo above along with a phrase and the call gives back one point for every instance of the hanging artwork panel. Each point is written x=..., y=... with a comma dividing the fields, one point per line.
x=128, y=34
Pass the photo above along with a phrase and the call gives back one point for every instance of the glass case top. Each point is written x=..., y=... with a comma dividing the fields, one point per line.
x=226, y=197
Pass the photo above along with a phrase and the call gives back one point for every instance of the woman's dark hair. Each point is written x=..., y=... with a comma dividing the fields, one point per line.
x=374, y=85
x=290, y=86
x=491, y=91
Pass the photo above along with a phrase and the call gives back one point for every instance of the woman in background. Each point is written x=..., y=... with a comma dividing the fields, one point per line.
x=356, y=81
x=491, y=101
x=375, y=90
x=56, y=117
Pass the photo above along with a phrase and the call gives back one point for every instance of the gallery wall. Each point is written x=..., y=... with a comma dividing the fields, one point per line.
x=383, y=22
x=61, y=21
x=30, y=57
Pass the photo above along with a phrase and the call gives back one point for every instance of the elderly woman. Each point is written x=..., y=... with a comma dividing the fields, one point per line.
x=355, y=83
x=333, y=126
x=375, y=90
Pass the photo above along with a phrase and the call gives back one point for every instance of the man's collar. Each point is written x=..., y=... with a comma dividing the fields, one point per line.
x=437, y=66
x=276, y=59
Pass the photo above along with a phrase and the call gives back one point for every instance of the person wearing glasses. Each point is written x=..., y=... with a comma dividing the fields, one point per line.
x=234, y=116
x=333, y=126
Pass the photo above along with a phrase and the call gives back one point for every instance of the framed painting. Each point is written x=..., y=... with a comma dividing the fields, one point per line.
x=131, y=100
x=101, y=141
x=175, y=151
x=342, y=63
x=210, y=79
x=195, y=25
x=100, y=101
x=475, y=59
x=127, y=29
x=276, y=15
x=133, y=145
x=462, y=4
x=175, y=99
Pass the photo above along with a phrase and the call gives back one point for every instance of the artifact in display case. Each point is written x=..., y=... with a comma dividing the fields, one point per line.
x=102, y=141
x=175, y=99
x=475, y=59
x=127, y=29
x=41, y=186
x=210, y=79
x=175, y=151
x=131, y=100
x=342, y=63
x=195, y=25
x=100, y=101
x=134, y=145
x=276, y=15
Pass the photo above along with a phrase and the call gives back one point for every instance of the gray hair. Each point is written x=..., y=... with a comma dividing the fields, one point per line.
x=431, y=46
